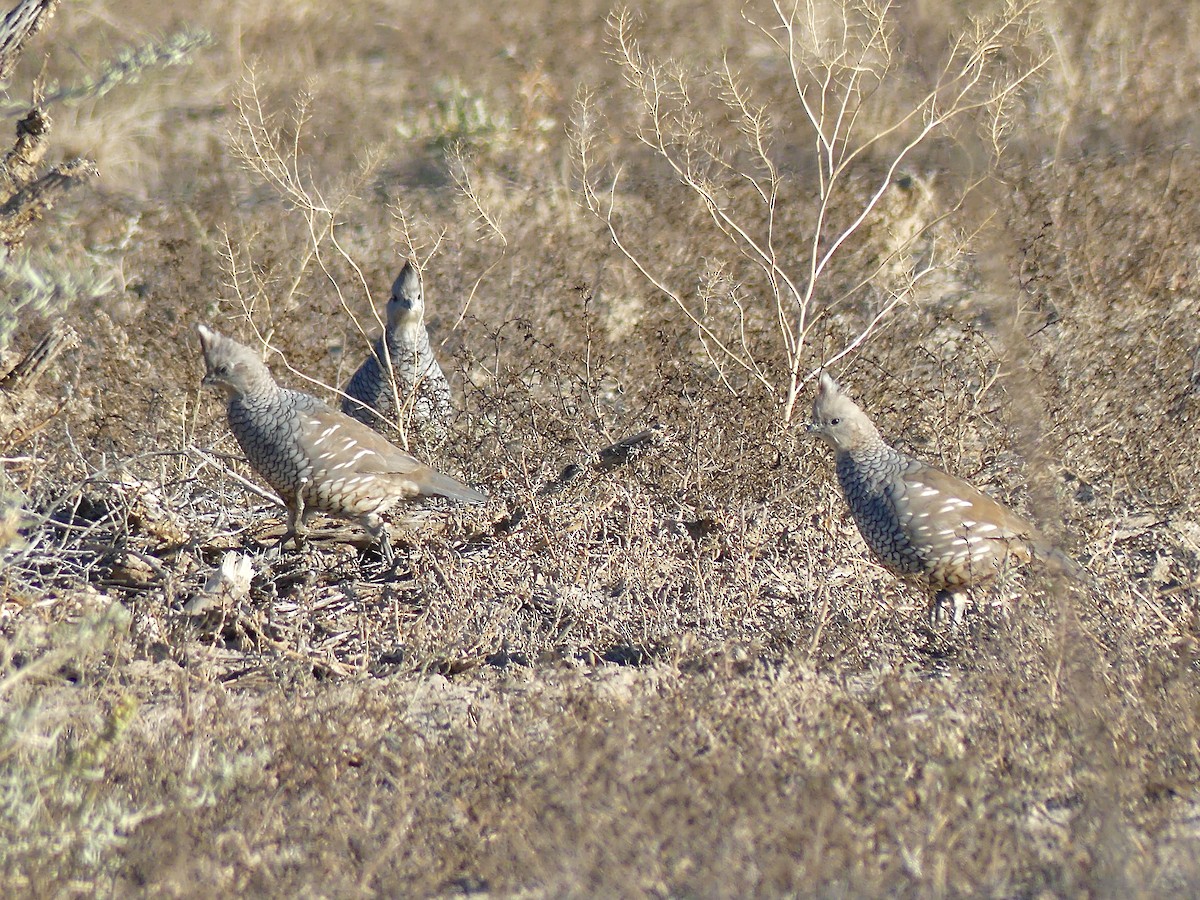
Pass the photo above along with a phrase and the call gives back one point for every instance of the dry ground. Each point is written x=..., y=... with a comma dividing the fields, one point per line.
x=678, y=676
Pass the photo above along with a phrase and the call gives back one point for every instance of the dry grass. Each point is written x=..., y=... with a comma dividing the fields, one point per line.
x=677, y=676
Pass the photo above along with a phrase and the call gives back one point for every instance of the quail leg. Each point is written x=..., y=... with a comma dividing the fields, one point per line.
x=948, y=607
x=385, y=547
x=296, y=529
x=378, y=529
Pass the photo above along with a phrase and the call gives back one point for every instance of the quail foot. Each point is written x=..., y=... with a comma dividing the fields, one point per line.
x=921, y=522
x=314, y=457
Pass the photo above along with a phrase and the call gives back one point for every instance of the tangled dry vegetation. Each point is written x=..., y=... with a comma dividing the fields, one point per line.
x=665, y=669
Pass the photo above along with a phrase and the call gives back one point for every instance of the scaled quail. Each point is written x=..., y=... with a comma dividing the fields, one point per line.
x=918, y=520
x=417, y=380
x=315, y=457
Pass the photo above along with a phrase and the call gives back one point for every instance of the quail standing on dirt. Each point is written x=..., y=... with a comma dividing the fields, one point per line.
x=416, y=381
x=315, y=457
x=918, y=520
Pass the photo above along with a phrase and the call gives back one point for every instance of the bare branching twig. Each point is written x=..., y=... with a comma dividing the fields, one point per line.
x=841, y=71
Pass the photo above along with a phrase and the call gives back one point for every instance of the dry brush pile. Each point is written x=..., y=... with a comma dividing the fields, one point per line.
x=659, y=659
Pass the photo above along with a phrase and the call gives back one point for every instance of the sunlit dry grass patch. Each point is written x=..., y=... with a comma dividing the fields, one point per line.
x=666, y=666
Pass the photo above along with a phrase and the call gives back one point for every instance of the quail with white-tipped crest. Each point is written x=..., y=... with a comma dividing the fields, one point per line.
x=315, y=457
x=919, y=521
x=401, y=367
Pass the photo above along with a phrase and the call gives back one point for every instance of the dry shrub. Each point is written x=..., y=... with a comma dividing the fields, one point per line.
x=718, y=139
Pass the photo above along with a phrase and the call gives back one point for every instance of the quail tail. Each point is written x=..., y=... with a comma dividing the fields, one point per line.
x=445, y=486
x=1057, y=561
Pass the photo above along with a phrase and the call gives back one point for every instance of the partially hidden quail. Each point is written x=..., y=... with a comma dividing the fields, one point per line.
x=919, y=521
x=314, y=457
x=416, y=379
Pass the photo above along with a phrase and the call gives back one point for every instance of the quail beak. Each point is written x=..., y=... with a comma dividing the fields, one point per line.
x=817, y=432
x=211, y=380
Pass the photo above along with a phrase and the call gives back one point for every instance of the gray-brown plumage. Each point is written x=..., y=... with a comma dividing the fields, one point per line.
x=416, y=381
x=918, y=520
x=313, y=456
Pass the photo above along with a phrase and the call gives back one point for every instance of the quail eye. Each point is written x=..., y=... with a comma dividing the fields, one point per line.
x=835, y=421
x=221, y=370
